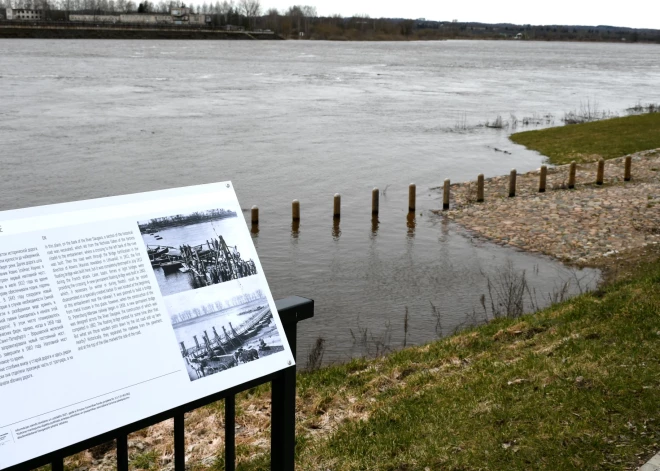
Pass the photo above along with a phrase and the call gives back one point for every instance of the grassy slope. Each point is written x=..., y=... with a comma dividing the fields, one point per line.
x=587, y=142
x=573, y=387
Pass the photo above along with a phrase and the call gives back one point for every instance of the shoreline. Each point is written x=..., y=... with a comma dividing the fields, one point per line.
x=130, y=32
x=86, y=31
x=591, y=225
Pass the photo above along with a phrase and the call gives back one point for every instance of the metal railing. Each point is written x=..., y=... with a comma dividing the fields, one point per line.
x=283, y=409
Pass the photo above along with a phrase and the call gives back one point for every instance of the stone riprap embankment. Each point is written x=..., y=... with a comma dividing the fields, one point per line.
x=579, y=225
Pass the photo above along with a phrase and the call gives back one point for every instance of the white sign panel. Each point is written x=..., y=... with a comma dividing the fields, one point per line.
x=116, y=309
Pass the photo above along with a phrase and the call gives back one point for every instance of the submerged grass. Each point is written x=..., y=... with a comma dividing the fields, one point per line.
x=587, y=142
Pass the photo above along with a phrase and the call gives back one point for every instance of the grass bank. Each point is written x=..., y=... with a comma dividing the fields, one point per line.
x=575, y=386
x=587, y=142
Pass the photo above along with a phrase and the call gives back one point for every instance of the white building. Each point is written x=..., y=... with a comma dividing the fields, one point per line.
x=145, y=18
x=23, y=14
x=94, y=18
x=177, y=16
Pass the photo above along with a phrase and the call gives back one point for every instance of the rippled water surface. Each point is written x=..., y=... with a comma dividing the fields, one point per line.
x=285, y=120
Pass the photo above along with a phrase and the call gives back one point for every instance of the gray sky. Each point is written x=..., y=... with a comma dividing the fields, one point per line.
x=632, y=13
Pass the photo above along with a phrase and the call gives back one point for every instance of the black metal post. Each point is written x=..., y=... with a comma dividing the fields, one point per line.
x=283, y=402
x=122, y=452
x=179, y=441
x=283, y=421
x=230, y=433
x=57, y=464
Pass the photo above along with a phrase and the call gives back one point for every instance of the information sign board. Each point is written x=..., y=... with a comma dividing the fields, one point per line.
x=116, y=309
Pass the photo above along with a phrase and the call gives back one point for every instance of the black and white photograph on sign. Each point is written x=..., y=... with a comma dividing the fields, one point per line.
x=190, y=251
x=223, y=326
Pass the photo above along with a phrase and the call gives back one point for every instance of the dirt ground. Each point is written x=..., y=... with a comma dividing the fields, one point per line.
x=613, y=226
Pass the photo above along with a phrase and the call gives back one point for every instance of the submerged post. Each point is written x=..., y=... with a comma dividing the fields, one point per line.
x=627, y=171
x=542, y=178
x=336, y=211
x=512, y=183
x=445, y=195
x=571, y=175
x=255, y=215
x=601, y=172
x=412, y=196
x=295, y=210
x=374, y=202
x=480, y=188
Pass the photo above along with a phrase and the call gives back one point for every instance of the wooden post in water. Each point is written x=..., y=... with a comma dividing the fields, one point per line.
x=601, y=172
x=374, y=202
x=295, y=210
x=336, y=211
x=542, y=178
x=412, y=196
x=512, y=183
x=255, y=215
x=627, y=171
x=445, y=195
x=480, y=188
x=571, y=175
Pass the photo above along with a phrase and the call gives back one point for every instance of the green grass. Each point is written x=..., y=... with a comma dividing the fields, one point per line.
x=146, y=461
x=587, y=142
x=573, y=387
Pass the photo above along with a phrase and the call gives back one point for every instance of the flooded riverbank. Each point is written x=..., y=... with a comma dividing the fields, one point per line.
x=305, y=120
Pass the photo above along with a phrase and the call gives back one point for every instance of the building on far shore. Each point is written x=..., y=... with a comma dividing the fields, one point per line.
x=24, y=14
x=177, y=16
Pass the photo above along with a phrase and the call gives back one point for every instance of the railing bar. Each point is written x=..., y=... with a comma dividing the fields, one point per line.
x=47, y=458
x=179, y=441
x=122, y=452
x=230, y=433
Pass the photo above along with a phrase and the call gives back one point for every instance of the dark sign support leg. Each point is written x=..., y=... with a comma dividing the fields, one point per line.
x=283, y=404
x=179, y=441
x=283, y=421
x=58, y=464
x=122, y=452
x=230, y=433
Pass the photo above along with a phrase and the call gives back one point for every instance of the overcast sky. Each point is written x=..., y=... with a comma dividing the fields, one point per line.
x=632, y=13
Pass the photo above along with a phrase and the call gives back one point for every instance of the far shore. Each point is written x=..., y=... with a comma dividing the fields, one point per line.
x=66, y=30
x=100, y=32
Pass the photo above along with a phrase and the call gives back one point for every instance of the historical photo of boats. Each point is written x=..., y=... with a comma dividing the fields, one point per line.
x=190, y=251
x=223, y=326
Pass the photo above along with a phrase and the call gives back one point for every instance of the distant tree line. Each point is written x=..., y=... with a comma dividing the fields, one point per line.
x=217, y=306
x=541, y=32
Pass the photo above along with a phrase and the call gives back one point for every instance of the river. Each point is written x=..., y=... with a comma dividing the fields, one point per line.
x=304, y=119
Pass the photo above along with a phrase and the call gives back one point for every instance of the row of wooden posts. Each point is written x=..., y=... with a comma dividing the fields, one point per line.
x=412, y=190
